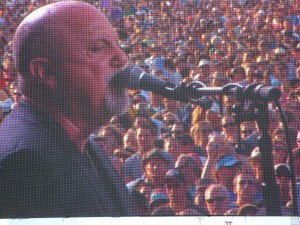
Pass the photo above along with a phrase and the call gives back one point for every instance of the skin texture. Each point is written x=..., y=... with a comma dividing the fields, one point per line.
x=245, y=191
x=155, y=171
x=72, y=80
x=217, y=208
x=145, y=139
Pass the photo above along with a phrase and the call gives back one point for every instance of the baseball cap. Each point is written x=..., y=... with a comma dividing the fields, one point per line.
x=282, y=169
x=174, y=176
x=255, y=154
x=279, y=50
x=219, y=75
x=203, y=62
x=227, y=161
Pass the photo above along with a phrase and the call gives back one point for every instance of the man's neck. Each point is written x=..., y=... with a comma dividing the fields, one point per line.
x=77, y=135
x=178, y=207
x=78, y=132
x=241, y=201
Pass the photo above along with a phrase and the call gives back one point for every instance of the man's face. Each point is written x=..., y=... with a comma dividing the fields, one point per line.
x=226, y=174
x=177, y=130
x=246, y=186
x=202, y=134
x=92, y=58
x=217, y=202
x=205, y=71
x=145, y=139
x=247, y=129
x=176, y=192
x=172, y=146
x=229, y=126
x=155, y=170
x=129, y=141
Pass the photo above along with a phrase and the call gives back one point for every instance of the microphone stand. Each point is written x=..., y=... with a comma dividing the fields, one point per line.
x=270, y=188
x=253, y=105
x=260, y=114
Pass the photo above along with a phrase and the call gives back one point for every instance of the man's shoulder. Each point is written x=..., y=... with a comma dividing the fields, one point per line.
x=23, y=129
x=164, y=210
x=133, y=158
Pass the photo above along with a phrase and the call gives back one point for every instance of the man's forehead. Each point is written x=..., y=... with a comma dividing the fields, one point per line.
x=215, y=192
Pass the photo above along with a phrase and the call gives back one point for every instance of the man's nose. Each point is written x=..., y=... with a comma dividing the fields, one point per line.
x=119, y=59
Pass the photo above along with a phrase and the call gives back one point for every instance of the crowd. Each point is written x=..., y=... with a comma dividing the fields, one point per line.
x=182, y=158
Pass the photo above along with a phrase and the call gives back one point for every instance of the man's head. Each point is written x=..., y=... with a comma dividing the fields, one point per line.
x=217, y=199
x=247, y=128
x=145, y=136
x=156, y=163
x=245, y=187
x=200, y=132
x=190, y=167
x=66, y=54
x=229, y=126
x=225, y=169
x=176, y=186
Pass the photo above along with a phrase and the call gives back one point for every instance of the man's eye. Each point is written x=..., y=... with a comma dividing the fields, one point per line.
x=97, y=48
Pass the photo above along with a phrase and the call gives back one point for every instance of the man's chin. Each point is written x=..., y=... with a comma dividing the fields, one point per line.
x=117, y=103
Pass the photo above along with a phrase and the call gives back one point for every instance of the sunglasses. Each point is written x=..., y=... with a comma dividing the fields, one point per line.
x=247, y=131
x=249, y=182
x=226, y=125
x=216, y=199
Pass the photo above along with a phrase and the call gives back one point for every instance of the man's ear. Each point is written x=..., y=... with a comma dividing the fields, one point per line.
x=40, y=68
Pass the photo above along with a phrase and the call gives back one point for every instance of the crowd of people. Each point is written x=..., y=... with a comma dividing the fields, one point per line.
x=180, y=158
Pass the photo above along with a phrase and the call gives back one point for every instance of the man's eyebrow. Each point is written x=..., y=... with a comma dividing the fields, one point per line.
x=105, y=41
x=100, y=39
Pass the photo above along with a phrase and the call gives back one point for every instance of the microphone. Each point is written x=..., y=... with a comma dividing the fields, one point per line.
x=133, y=77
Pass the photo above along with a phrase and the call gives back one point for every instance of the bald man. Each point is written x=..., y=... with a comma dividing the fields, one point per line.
x=67, y=56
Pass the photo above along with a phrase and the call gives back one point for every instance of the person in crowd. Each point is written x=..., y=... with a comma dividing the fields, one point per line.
x=145, y=136
x=176, y=189
x=155, y=164
x=283, y=179
x=110, y=138
x=229, y=130
x=246, y=190
x=237, y=74
x=201, y=185
x=200, y=133
x=191, y=167
x=45, y=145
x=217, y=200
x=130, y=141
x=256, y=162
x=204, y=72
x=224, y=172
x=249, y=135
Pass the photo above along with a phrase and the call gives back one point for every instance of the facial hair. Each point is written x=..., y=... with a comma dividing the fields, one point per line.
x=116, y=101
